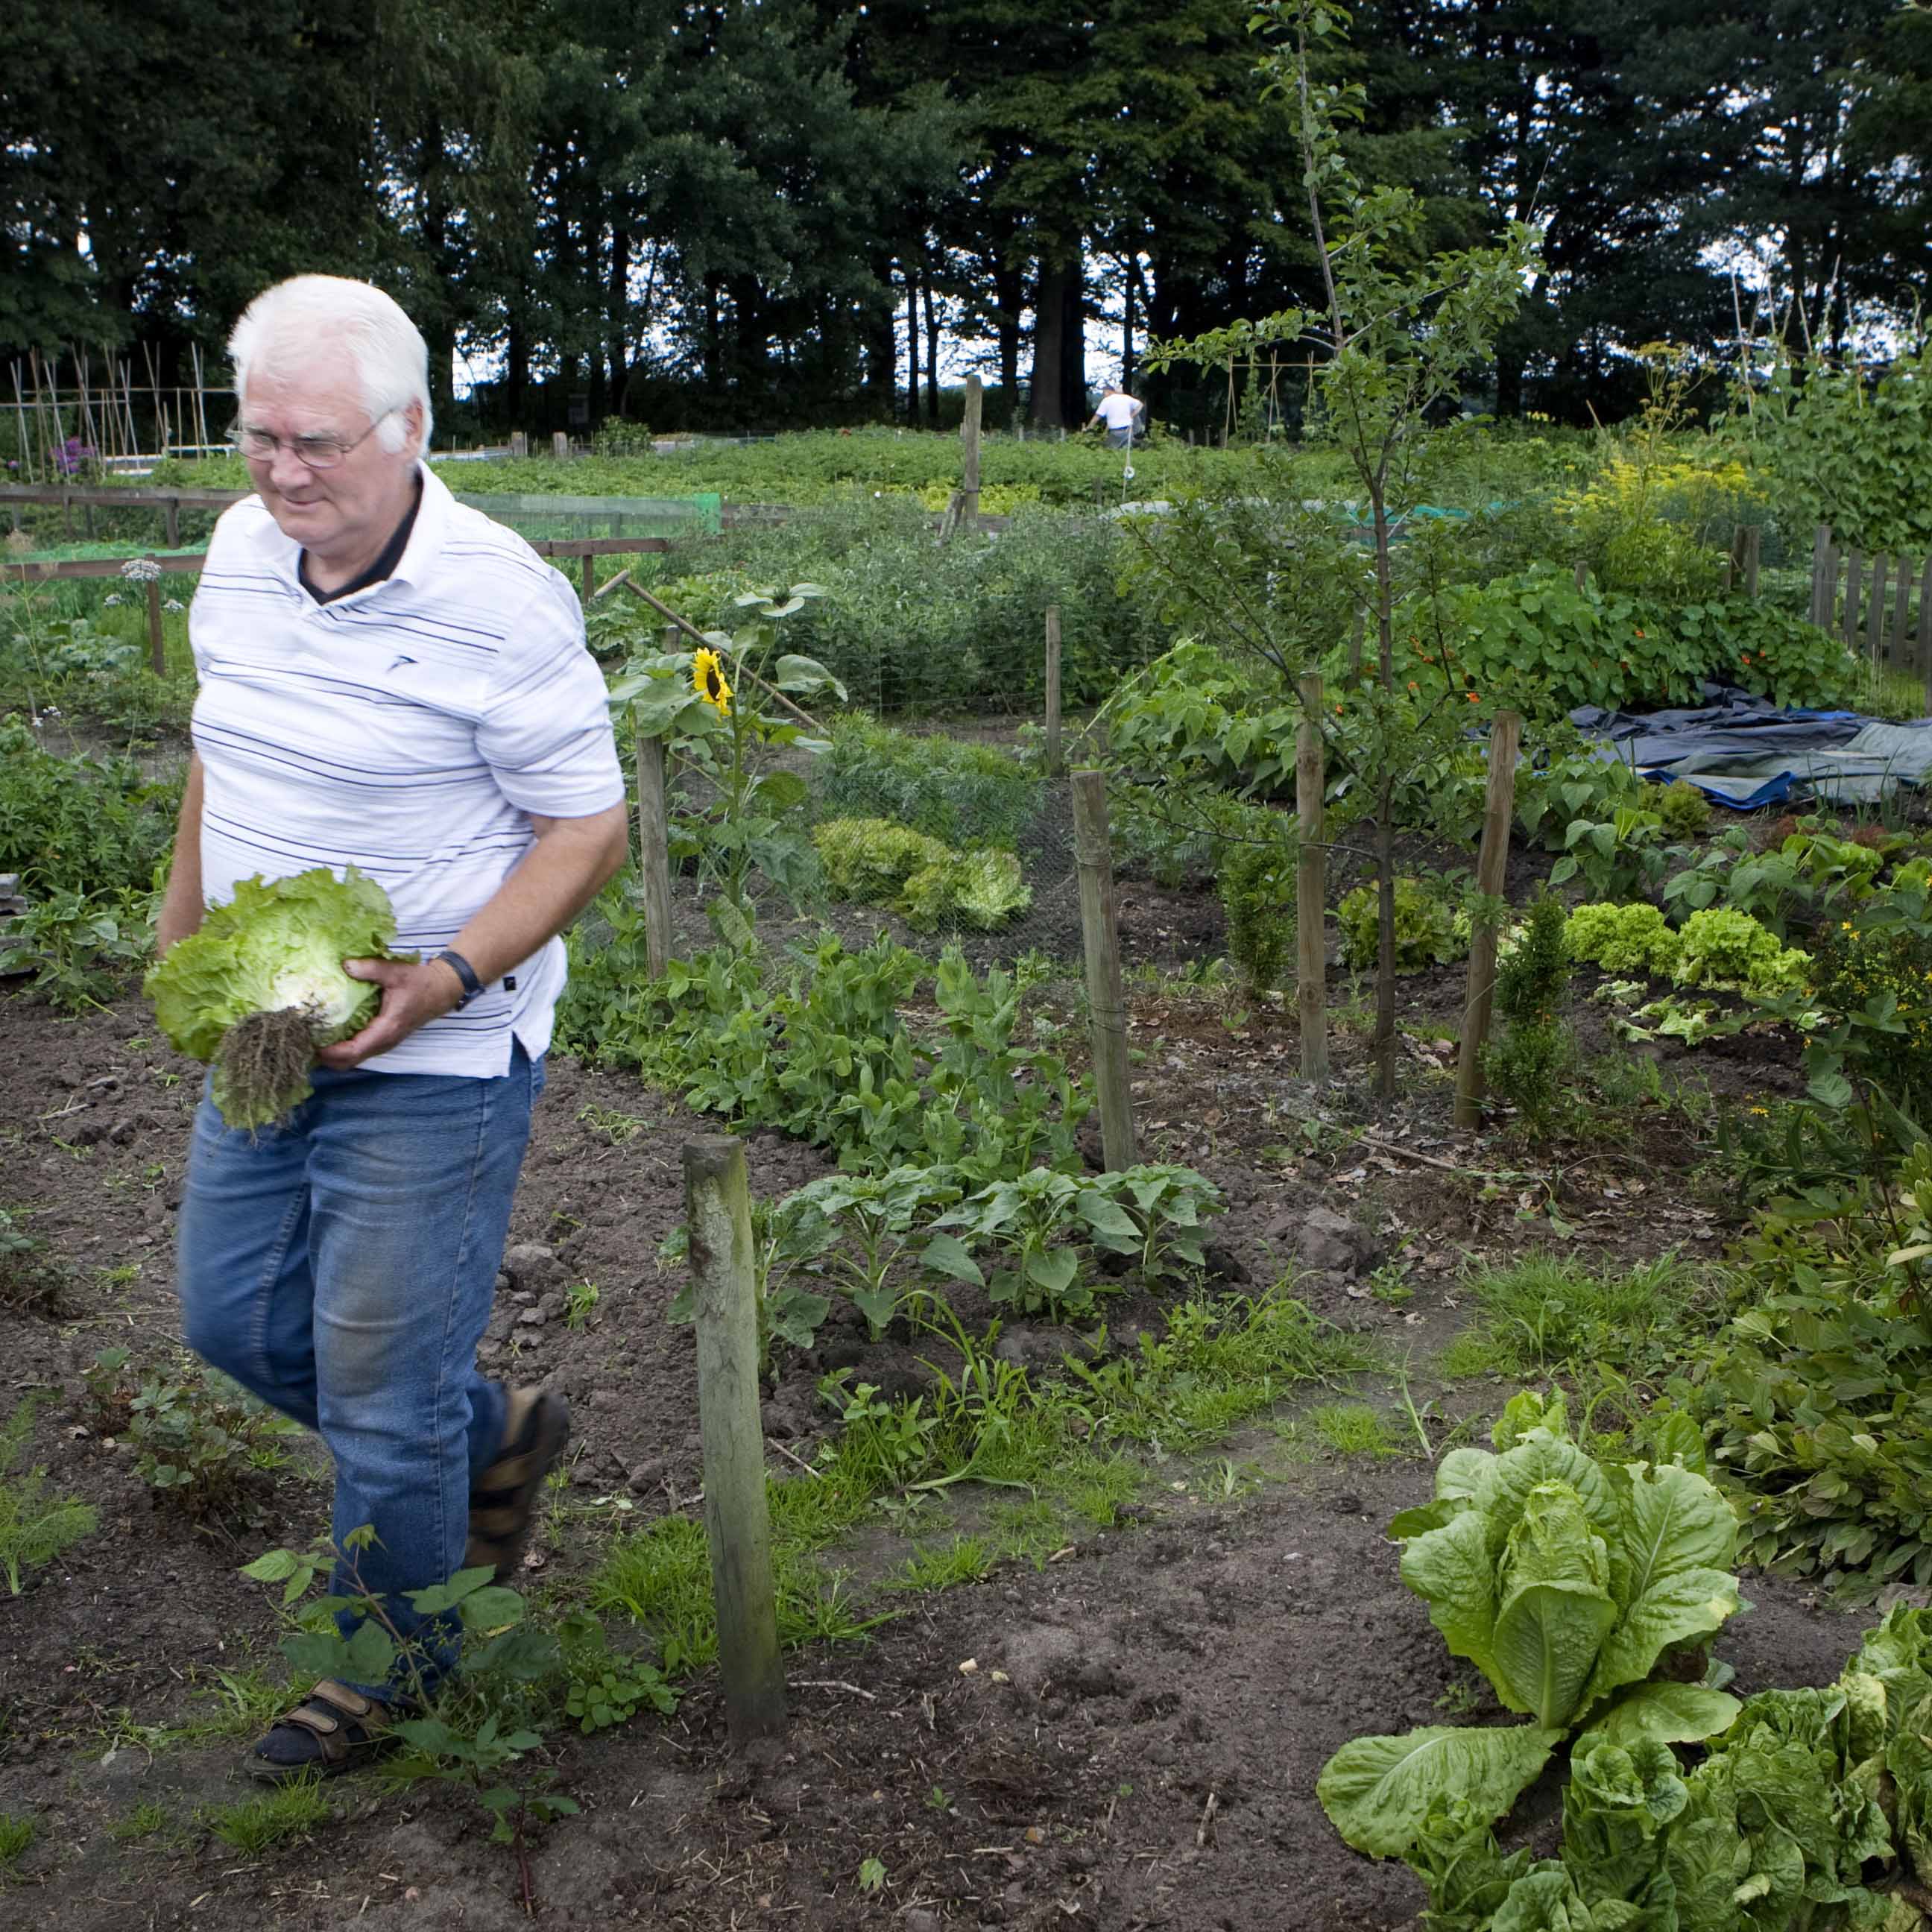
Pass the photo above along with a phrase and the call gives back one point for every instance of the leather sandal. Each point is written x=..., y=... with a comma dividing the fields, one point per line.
x=334, y=1729
x=536, y=1425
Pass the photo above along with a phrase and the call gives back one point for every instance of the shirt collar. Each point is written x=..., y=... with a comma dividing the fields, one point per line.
x=419, y=554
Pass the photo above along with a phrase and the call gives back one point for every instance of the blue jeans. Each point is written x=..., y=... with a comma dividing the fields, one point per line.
x=340, y=1266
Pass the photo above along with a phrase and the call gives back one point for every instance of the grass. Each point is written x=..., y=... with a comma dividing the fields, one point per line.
x=254, y=1826
x=966, y=1559
x=238, y=1704
x=147, y=1820
x=1880, y=692
x=17, y=1833
x=1054, y=1455
x=1543, y=1316
x=36, y=1523
x=1352, y=1429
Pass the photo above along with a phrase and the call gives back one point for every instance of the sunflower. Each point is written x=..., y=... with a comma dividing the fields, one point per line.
x=708, y=680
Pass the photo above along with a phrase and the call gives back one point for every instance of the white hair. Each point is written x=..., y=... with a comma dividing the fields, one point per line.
x=285, y=327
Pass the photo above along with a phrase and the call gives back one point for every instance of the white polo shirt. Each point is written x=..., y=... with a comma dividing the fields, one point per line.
x=409, y=729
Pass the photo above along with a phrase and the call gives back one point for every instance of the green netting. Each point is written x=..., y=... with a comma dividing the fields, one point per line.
x=543, y=515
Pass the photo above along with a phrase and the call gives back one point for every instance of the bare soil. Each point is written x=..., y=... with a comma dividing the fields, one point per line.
x=1126, y=1736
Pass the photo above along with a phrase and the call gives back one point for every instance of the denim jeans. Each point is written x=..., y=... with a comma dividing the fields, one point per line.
x=341, y=1267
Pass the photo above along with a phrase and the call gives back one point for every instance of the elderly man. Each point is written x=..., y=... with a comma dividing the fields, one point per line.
x=390, y=681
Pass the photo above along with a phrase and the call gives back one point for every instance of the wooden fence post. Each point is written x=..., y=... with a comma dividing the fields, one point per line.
x=520, y=444
x=969, y=468
x=653, y=853
x=1924, y=635
x=737, y=1514
x=171, y=522
x=1311, y=887
x=1821, y=551
x=590, y=578
x=1056, y=765
x=1901, y=616
x=1100, y=927
x=1753, y=559
x=559, y=444
x=1875, y=611
x=1855, y=579
x=1491, y=865
x=157, y=646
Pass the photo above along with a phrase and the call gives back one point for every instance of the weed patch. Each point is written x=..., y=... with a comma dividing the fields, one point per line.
x=254, y=1826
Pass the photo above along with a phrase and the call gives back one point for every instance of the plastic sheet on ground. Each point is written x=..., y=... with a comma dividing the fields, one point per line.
x=1741, y=751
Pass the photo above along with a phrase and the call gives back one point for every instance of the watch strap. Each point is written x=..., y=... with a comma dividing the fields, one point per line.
x=473, y=987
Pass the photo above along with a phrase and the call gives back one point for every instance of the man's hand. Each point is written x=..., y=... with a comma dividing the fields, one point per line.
x=412, y=996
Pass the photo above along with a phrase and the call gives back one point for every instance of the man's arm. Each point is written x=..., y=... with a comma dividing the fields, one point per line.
x=571, y=862
x=181, y=908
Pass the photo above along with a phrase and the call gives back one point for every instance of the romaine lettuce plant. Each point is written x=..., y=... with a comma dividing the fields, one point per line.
x=1565, y=1581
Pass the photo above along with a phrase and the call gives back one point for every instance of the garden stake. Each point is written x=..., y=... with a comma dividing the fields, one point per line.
x=1101, y=930
x=1056, y=765
x=737, y=1515
x=1499, y=804
x=969, y=468
x=1311, y=888
x=157, y=650
x=654, y=852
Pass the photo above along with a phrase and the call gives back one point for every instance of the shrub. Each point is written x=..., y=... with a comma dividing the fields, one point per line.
x=1425, y=927
x=1257, y=887
x=1525, y=1066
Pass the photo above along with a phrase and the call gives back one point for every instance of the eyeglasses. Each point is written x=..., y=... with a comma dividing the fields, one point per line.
x=316, y=452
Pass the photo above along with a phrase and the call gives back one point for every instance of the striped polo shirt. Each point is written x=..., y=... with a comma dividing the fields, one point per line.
x=409, y=729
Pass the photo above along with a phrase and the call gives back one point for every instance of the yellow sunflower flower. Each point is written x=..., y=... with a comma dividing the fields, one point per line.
x=708, y=680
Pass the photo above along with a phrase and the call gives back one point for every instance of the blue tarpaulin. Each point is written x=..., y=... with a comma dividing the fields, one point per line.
x=1741, y=751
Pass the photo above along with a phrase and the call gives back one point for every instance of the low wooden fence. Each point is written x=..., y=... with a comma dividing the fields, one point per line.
x=1868, y=601
x=587, y=549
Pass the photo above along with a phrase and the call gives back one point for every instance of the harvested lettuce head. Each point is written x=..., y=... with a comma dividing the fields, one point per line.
x=260, y=986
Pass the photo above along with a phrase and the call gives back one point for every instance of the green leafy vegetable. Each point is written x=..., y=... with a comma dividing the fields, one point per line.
x=260, y=986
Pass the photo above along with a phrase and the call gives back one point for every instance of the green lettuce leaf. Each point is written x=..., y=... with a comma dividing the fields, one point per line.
x=1556, y=1609
x=1379, y=1791
x=1669, y=1714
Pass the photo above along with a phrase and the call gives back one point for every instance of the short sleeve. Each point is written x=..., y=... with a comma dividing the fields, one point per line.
x=545, y=728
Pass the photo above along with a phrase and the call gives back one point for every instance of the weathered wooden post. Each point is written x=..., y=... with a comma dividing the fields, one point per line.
x=1311, y=887
x=171, y=522
x=1056, y=763
x=1492, y=864
x=737, y=1515
x=1821, y=551
x=1875, y=611
x=157, y=645
x=519, y=445
x=1854, y=578
x=1753, y=559
x=559, y=444
x=1901, y=615
x=969, y=468
x=590, y=578
x=1100, y=927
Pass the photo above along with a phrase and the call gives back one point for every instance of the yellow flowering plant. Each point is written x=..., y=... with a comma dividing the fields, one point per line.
x=726, y=709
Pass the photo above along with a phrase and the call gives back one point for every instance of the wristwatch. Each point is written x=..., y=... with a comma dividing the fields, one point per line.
x=473, y=987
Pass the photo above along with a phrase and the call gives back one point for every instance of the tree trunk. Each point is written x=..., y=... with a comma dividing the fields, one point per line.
x=1132, y=268
x=617, y=318
x=912, y=346
x=1073, y=346
x=881, y=348
x=1384, y=1039
x=1046, y=406
x=932, y=350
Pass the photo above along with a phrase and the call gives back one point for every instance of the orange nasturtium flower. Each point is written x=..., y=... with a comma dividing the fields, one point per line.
x=1473, y=698
x=1640, y=634
x=1411, y=684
